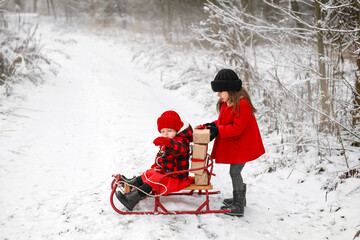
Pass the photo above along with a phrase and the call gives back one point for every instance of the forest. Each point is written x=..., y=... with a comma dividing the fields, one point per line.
x=310, y=49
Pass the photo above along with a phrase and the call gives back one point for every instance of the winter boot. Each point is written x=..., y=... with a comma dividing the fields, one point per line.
x=133, y=182
x=229, y=201
x=130, y=199
x=237, y=207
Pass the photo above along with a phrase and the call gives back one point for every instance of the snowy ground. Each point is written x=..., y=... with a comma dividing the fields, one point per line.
x=97, y=117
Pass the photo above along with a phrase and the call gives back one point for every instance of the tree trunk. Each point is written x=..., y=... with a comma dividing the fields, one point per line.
x=35, y=6
x=67, y=10
x=248, y=5
x=295, y=8
x=356, y=119
x=163, y=18
x=20, y=4
x=169, y=21
x=324, y=99
x=358, y=36
x=93, y=9
x=53, y=8
x=48, y=6
x=166, y=15
x=356, y=112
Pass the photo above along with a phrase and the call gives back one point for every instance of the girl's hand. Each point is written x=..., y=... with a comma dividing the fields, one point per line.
x=210, y=125
x=214, y=131
x=162, y=141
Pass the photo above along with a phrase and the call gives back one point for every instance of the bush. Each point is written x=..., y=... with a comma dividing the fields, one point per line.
x=21, y=57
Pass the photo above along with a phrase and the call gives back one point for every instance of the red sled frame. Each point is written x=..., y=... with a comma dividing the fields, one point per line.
x=188, y=191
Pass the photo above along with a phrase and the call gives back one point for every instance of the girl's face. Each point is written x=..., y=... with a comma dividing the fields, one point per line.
x=224, y=96
x=168, y=132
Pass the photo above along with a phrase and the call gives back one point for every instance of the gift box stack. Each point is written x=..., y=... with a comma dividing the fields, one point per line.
x=201, y=138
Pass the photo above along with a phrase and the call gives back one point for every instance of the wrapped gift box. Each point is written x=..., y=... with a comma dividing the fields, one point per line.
x=202, y=179
x=201, y=136
x=198, y=158
x=197, y=163
x=199, y=151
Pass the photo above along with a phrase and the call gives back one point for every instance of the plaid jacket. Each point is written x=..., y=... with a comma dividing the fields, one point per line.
x=175, y=157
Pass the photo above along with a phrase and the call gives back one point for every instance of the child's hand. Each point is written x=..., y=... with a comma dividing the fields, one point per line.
x=162, y=141
x=205, y=125
x=201, y=127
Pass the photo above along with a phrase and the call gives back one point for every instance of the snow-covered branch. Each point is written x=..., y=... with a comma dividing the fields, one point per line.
x=314, y=109
x=292, y=15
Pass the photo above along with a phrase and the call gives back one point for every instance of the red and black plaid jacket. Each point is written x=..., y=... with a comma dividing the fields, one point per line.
x=175, y=157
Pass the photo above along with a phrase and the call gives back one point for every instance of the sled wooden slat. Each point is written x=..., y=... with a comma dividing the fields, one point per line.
x=126, y=188
x=199, y=187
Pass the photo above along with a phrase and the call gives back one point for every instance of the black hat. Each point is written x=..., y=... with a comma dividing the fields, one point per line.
x=226, y=80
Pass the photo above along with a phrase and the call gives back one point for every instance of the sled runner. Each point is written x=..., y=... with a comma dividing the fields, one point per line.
x=159, y=208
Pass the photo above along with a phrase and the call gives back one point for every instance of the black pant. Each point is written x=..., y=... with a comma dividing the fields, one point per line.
x=235, y=174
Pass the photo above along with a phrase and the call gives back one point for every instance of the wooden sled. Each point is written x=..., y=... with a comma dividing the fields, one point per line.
x=159, y=208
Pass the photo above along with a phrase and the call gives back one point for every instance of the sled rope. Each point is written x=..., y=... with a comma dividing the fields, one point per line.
x=148, y=194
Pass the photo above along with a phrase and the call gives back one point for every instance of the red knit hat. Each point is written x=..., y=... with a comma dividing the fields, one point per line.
x=169, y=119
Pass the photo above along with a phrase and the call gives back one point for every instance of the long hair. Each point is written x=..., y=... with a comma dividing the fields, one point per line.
x=234, y=99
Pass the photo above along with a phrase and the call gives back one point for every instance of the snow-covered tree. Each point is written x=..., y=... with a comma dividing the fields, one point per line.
x=297, y=56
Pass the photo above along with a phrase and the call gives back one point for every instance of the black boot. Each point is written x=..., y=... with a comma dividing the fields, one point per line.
x=237, y=207
x=130, y=199
x=229, y=201
x=133, y=182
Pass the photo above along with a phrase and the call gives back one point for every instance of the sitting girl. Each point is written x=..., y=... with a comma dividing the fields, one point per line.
x=172, y=156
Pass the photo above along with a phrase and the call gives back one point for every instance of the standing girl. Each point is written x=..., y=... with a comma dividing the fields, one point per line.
x=236, y=133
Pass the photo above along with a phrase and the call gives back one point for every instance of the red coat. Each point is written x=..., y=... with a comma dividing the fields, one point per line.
x=239, y=139
x=169, y=159
x=176, y=156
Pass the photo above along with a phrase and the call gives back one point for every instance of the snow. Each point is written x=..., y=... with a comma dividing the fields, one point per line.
x=62, y=141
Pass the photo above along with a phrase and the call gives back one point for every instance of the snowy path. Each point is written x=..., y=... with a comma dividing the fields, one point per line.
x=98, y=117
x=98, y=113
